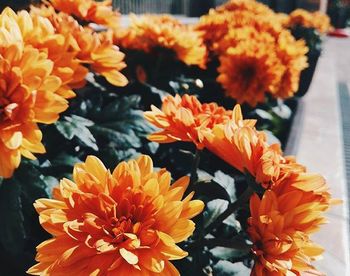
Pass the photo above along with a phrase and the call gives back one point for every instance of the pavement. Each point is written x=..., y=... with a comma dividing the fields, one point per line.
x=321, y=148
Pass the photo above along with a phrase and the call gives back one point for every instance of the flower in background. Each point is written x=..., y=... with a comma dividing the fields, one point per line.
x=124, y=222
x=292, y=54
x=317, y=20
x=28, y=95
x=280, y=246
x=150, y=33
x=89, y=11
x=183, y=119
x=249, y=67
x=87, y=47
x=215, y=26
x=251, y=6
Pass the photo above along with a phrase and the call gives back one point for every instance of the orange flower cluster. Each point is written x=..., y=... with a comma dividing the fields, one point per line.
x=149, y=33
x=122, y=223
x=89, y=11
x=294, y=201
x=43, y=57
x=29, y=94
x=251, y=6
x=317, y=20
x=257, y=55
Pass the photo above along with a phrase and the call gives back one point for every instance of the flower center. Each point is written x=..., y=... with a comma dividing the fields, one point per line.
x=119, y=226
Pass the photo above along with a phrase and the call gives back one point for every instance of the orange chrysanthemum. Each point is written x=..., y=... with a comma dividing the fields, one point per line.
x=38, y=32
x=316, y=20
x=89, y=11
x=250, y=67
x=215, y=26
x=150, y=32
x=292, y=54
x=89, y=48
x=126, y=222
x=251, y=6
x=239, y=144
x=28, y=95
x=276, y=227
x=183, y=119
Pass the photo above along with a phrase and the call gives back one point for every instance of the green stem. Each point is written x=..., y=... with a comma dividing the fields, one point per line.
x=194, y=168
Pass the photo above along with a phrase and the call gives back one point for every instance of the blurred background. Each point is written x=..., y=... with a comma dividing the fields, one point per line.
x=338, y=10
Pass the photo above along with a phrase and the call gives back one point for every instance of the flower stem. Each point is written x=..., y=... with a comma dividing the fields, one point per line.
x=231, y=209
x=237, y=242
x=194, y=168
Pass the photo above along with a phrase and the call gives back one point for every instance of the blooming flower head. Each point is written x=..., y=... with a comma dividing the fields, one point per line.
x=243, y=147
x=151, y=32
x=251, y=6
x=216, y=25
x=280, y=245
x=316, y=20
x=38, y=32
x=89, y=48
x=292, y=54
x=125, y=222
x=183, y=119
x=89, y=11
x=28, y=95
x=250, y=67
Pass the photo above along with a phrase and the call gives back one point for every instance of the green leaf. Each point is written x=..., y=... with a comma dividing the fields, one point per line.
x=226, y=268
x=12, y=232
x=64, y=159
x=213, y=209
x=210, y=189
x=233, y=222
x=227, y=182
x=50, y=182
x=263, y=114
x=282, y=111
x=225, y=253
x=76, y=126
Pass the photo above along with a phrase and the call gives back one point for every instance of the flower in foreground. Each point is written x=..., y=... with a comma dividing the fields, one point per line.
x=125, y=222
x=246, y=149
x=28, y=95
x=281, y=246
x=183, y=118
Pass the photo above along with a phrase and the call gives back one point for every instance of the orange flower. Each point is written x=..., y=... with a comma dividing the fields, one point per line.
x=88, y=47
x=250, y=67
x=316, y=20
x=89, y=11
x=239, y=144
x=38, y=32
x=257, y=55
x=215, y=26
x=281, y=245
x=28, y=95
x=150, y=32
x=251, y=6
x=292, y=54
x=126, y=222
x=183, y=119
